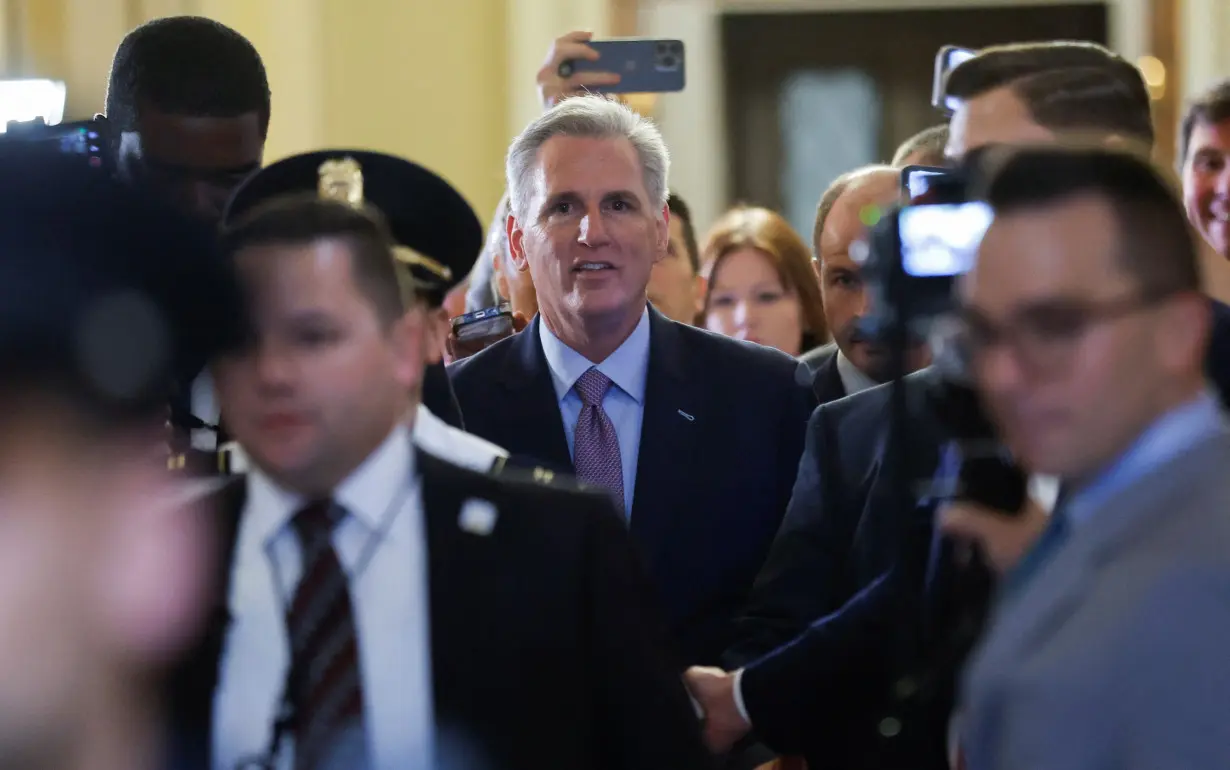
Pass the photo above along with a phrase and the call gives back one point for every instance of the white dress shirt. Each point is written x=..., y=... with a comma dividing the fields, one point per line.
x=384, y=521
x=852, y=378
x=624, y=403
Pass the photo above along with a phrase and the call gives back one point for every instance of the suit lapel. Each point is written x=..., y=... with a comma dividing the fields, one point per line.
x=454, y=558
x=827, y=383
x=672, y=433
x=531, y=401
x=1056, y=591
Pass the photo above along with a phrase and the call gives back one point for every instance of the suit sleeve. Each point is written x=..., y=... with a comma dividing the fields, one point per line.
x=642, y=706
x=830, y=671
x=1173, y=687
x=797, y=583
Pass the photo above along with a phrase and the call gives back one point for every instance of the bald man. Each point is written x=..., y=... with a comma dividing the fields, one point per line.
x=852, y=363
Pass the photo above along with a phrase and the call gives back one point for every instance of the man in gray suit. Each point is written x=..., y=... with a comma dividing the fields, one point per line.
x=1087, y=330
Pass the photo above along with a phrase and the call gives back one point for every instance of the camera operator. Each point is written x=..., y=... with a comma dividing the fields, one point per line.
x=187, y=114
x=188, y=108
x=836, y=598
x=1087, y=331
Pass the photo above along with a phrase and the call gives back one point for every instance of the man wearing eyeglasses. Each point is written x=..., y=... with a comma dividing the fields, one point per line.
x=1088, y=329
x=838, y=590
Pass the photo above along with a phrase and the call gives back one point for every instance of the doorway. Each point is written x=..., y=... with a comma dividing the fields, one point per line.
x=811, y=95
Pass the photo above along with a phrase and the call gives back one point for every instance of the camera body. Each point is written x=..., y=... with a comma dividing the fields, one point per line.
x=88, y=140
x=915, y=255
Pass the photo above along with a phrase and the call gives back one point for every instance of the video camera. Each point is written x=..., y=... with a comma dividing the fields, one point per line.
x=86, y=139
x=915, y=255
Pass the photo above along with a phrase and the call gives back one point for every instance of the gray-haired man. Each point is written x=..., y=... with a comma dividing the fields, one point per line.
x=697, y=436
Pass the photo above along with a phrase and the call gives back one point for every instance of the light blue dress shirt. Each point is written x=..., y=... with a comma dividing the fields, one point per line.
x=624, y=403
x=1171, y=434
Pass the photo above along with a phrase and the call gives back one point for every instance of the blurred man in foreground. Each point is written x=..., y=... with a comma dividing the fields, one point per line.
x=1087, y=330
x=101, y=569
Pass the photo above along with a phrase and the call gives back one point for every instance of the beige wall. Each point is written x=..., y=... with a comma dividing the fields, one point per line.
x=443, y=82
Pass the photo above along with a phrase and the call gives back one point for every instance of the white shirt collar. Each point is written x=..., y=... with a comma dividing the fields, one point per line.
x=437, y=437
x=627, y=367
x=852, y=378
x=366, y=493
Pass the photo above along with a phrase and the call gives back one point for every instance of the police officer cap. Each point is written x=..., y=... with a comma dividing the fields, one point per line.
x=439, y=235
x=105, y=294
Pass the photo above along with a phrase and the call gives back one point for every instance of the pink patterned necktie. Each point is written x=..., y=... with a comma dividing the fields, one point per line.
x=596, y=446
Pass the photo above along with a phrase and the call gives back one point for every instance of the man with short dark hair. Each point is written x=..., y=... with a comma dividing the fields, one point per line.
x=926, y=148
x=103, y=571
x=1037, y=92
x=473, y=621
x=188, y=106
x=188, y=109
x=1204, y=162
x=1087, y=331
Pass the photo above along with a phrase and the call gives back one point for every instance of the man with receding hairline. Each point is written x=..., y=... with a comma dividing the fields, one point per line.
x=926, y=148
x=853, y=362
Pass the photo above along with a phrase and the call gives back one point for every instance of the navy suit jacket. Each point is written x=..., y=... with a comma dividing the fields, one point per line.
x=720, y=443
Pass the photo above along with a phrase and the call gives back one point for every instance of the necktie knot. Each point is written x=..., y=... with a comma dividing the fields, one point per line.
x=592, y=387
x=315, y=521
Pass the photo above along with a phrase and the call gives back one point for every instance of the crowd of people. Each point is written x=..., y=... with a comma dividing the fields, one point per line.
x=672, y=509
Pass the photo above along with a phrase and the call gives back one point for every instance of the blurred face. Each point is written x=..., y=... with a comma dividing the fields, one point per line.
x=996, y=117
x=591, y=235
x=747, y=301
x=841, y=285
x=1206, y=183
x=674, y=287
x=196, y=162
x=325, y=378
x=1060, y=335
x=98, y=582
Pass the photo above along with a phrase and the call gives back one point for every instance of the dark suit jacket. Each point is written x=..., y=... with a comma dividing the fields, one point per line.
x=546, y=649
x=840, y=580
x=438, y=395
x=720, y=443
x=835, y=579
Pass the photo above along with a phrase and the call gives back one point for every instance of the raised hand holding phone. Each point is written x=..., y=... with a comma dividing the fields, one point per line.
x=554, y=85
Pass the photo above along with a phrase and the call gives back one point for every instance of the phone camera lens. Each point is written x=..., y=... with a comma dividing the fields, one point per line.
x=675, y=48
x=669, y=62
x=566, y=69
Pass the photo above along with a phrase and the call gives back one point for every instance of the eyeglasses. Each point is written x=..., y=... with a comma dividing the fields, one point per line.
x=1045, y=337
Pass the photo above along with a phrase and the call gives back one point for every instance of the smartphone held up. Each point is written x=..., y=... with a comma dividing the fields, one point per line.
x=644, y=66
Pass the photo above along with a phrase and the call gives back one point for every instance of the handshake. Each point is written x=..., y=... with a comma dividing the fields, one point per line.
x=714, y=695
